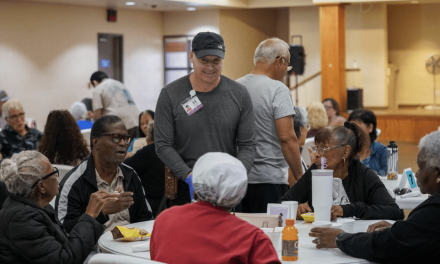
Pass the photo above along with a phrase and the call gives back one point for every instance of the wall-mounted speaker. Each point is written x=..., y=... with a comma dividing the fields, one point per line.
x=112, y=15
x=354, y=99
x=297, y=59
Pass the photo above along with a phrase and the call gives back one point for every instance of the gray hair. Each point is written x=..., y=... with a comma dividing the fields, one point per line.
x=430, y=145
x=78, y=110
x=300, y=119
x=269, y=49
x=9, y=105
x=22, y=171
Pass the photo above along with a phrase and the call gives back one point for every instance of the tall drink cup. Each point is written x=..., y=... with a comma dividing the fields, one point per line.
x=322, y=187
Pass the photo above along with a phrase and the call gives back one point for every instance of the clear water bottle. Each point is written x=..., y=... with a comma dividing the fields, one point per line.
x=392, y=161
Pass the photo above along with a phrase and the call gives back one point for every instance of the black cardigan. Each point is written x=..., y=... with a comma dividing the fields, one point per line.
x=414, y=240
x=31, y=234
x=368, y=196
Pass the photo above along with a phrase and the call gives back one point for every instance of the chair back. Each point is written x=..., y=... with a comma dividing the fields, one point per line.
x=305, y=150
x=119, y=259
x=86, y=134
x=63, y=169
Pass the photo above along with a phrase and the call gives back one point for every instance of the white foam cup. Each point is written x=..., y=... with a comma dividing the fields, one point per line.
x=347, y=224
x=293, y=205
x=275, y=237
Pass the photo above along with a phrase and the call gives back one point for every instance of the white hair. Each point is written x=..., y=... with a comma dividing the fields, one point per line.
x=429, y=147
x=78, y=110
x=269, y=49
x=22, y=171
x=9, y=105
x=300, y=119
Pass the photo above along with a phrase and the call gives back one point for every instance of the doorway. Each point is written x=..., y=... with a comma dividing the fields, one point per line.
x=110, y=55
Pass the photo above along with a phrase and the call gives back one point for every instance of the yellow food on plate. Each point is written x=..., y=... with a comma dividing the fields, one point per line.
x=129, y=234
x=309, y=217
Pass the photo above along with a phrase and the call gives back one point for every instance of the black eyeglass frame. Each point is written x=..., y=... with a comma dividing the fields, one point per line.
x=127, y=139
x=47, y=176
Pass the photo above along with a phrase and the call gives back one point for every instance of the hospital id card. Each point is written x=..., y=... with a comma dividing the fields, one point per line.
x=192, y=105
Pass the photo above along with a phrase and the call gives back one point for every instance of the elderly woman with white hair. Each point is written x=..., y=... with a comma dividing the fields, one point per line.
x=29, y=231
x=414, y=240
x=17, y=136
x=206, y=231
x=79, y=112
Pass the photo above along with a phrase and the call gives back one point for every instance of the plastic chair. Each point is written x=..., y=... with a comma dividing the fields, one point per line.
x=118, y=259
x=305, y=150
x=63, y=169
x=86, y=134
x=378, y=131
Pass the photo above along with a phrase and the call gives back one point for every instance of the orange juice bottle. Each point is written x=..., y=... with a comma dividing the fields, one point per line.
x=289, y=251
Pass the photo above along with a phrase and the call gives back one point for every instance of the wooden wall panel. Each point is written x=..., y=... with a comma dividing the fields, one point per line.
x=332, y=32
x=405, y=127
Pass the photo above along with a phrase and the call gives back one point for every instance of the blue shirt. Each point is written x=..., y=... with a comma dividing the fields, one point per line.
x=84, y=124
x=378, y=157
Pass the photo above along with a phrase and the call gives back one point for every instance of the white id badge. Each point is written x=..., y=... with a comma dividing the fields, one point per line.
x=192, y=105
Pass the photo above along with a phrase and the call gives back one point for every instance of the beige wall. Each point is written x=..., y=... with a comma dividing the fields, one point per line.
x=190, y=23
x=243, y=30
x=305, y=21
x=413, y=36
x=48, y=53
x=366, y=42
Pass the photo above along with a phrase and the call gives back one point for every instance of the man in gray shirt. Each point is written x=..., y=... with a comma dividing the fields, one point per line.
x=277, y=144
x=203, y=112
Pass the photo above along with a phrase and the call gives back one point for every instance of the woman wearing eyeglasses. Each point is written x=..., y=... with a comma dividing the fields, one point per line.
x=414, y=240
x=29, y=229
x=364, y=195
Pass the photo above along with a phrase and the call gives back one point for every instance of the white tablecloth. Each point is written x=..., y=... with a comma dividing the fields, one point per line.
x=404, y=203
x=308, y=253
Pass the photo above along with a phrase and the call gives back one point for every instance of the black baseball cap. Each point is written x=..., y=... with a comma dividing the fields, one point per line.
x=207, y=44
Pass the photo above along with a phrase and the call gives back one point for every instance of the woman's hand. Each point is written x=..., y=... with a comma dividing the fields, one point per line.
x=336, y=212
x=97, y=201
x=379, y=226
x=302, y=209
x=325, y=237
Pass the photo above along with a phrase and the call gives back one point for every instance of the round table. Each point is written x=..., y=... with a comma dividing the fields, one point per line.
x=308, y=253
x=404, y=203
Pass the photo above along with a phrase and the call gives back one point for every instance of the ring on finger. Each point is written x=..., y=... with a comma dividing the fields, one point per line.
x=318, y=241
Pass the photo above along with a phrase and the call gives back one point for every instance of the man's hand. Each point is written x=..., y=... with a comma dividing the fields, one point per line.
x=379, y=226
x=336, y=211
x=125, y=200
x=98, y=200
x=302, y=209
x=325, y=237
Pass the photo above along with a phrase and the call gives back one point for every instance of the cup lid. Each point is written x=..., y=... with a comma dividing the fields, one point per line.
x=290, y=221
x=322, y=172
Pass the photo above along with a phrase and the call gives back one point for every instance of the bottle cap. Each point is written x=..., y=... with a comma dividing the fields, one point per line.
x=290, y=221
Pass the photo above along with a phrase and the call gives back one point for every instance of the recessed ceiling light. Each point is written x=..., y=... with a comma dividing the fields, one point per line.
x=191, y=8
x=130, y=3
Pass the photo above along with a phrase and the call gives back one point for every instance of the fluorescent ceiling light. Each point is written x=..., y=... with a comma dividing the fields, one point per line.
x=130, y=3
x=191, y=8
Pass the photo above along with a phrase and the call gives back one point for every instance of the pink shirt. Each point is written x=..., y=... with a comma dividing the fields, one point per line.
x=203, y=233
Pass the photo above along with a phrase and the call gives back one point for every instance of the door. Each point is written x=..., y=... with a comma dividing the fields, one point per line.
x=110, y=55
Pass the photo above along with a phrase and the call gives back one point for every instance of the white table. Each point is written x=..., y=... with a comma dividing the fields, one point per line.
x=404, y=203
x=308, y=253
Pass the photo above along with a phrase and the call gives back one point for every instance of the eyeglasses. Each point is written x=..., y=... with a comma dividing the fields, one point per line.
x=47, y=176
x=402, y=191
x=288, y=62
x=321, y=151
x=327, y=107
x=16, y=117
x=117, y=138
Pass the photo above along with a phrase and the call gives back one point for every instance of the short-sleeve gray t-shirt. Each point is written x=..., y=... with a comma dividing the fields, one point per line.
x=272, y=100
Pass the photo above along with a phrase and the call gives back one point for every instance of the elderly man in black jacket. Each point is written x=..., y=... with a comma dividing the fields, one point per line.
x=104, y=170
